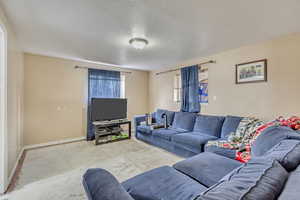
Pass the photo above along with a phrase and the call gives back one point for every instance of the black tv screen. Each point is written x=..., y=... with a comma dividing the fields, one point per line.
x=108, y=109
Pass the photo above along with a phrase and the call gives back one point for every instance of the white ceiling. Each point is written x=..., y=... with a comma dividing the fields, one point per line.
x=177, y=30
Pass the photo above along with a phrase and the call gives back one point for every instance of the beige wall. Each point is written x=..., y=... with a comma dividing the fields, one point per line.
x=55, y=96
x=14, y=94
x=279, y=96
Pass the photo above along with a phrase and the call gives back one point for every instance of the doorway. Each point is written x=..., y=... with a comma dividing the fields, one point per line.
x=3, y=109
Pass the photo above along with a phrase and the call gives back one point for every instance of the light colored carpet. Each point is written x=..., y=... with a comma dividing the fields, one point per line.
x=56, y=172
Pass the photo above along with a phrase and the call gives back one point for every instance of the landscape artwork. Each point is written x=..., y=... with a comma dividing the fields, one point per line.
x=250, y=72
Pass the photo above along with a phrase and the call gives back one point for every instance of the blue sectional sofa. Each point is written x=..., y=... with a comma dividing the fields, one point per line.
x=272, y=173
x=187, y=133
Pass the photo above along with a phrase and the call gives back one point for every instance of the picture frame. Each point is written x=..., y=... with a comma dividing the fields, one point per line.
x=251, y=72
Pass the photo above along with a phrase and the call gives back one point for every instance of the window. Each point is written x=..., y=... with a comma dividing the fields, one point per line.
x=177, y=88
x=122, y=86
x=103, y=84
x=203, y=86
x=3, y=110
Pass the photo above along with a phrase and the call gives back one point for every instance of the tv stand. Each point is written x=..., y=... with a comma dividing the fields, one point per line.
x=111, y=131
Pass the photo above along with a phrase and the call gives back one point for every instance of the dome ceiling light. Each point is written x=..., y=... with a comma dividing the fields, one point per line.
x=138, y=43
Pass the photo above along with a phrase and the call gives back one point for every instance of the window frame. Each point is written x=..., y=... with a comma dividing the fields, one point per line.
x=177, y=89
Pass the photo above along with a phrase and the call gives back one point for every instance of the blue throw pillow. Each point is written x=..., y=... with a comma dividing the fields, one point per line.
x=210, y=125
x=184, y=121
x=258, y=179
x=160, y=112
x=230, y=125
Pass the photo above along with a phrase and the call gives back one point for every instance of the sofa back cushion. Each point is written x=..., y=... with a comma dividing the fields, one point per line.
x=160, y=112
x=287, y=152
x=230, y=125
x=269, y=138
x=184, y=121
x=257, y=179
x=208, y=124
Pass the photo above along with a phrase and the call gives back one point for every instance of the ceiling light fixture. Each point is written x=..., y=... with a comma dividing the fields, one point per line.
x=138, y=43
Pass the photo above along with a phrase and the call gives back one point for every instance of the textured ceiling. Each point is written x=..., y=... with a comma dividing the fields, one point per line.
x=177, y=30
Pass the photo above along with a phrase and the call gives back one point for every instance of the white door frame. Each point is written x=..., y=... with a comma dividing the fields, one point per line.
x=3, y=110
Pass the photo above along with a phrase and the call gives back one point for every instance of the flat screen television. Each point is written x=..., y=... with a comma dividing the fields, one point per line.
x=108, y=109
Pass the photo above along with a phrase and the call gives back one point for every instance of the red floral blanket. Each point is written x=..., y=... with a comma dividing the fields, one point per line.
x=247, y=132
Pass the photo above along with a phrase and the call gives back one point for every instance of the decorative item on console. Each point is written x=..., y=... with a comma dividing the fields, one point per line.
x=165, y=117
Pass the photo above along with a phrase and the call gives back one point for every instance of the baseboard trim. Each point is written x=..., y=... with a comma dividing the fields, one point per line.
x=34, y=146
x=16, y=165
x=15, y=171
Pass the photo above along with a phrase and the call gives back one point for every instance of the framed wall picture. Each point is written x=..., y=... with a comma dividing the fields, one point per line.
x=251, y=72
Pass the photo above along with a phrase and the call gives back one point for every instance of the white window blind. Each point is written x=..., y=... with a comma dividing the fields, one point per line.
x=177, y=88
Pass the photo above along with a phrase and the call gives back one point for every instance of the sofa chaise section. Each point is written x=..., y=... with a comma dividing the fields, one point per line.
x=207, y=168
x=99, y=184
x=163, y=183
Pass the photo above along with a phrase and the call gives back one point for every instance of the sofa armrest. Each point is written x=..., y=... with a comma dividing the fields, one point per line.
x=99, y=184
x=137, y=121
x=142, y=118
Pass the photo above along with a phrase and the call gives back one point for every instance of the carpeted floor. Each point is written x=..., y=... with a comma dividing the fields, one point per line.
x=55, y=172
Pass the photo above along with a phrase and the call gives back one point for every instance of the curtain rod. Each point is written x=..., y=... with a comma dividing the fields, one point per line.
x=84, y=67
x=173, y=70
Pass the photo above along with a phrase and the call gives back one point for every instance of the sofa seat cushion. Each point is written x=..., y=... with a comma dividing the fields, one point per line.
x=270, y=137
x=163, y=183
x=228, y=153
x=166, y=133
x=209, y=125
x=207, y=168
x=230, y=125
x=144, y=129
x=193, y=139
x=257, y=179
x=184, y=121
